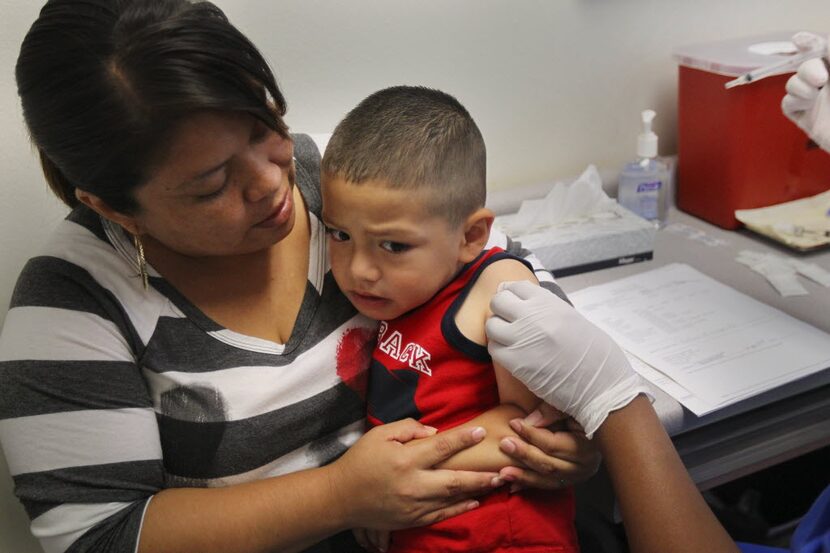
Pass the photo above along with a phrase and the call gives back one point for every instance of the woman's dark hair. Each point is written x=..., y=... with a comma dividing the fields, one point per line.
x=105, y=83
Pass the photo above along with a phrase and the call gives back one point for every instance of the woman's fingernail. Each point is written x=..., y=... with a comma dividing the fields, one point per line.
x=497, y=481
x=472, y=505
x=516, y=425
x=534, y=418
x=507, y=445
x=431, y=429
x=478, y=433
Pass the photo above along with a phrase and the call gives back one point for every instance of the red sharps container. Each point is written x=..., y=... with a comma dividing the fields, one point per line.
x=736, y=150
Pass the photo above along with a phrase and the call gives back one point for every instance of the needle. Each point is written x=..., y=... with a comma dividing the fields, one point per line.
x=791, y=63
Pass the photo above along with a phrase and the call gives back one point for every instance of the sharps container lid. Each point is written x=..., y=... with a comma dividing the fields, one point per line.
x=735, y=57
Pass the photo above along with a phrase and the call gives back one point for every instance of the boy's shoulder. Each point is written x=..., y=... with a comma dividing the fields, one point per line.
x=504, y=270
x=476, y=307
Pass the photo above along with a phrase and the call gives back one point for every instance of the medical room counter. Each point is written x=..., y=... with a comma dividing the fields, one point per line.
x=766, y=429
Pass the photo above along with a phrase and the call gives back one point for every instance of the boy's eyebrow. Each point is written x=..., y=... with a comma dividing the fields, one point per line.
x=382, y=230
x=398, y=231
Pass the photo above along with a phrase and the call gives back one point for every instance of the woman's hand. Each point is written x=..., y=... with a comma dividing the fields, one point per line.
x=371, y=539
x=385, y=483
x=556, y=452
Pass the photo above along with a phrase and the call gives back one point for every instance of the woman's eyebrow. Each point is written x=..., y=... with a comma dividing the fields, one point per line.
x=203, y=174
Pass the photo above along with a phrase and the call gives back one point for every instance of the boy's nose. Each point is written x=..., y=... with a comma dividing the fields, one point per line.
x=363, y=269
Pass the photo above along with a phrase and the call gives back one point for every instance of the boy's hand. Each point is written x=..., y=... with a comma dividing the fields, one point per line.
x=371, y=539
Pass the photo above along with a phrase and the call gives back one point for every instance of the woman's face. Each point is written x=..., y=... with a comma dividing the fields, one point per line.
x=224, y=188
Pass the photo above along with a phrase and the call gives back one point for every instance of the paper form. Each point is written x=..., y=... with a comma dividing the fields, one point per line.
x=675, y=390
x=716, y=344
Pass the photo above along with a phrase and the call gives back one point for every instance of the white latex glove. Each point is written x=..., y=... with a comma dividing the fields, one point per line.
x=559, y=355
x=807, y=103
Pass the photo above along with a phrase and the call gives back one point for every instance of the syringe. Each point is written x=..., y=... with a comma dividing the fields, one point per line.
x=792, y=62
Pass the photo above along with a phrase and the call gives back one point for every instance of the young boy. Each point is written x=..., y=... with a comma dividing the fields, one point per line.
x=403, y=184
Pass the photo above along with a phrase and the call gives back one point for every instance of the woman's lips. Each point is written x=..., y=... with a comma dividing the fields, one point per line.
x=280, y=215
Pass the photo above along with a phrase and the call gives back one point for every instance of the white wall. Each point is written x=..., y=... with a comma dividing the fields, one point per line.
x=553, y=84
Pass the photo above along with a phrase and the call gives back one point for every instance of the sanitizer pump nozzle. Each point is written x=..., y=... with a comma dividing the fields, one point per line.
x=647, y=140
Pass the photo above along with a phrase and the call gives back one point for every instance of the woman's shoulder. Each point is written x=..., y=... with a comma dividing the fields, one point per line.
x=79, y=269
x=77, y=244
x=82, y=239
x=307, y=163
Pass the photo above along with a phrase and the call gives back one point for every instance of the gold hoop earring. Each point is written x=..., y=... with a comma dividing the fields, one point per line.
x=142, y=262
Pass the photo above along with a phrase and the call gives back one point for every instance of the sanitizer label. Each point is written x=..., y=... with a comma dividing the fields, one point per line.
x=649, y=186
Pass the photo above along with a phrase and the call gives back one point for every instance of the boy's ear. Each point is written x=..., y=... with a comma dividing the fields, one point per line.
x=476, y=233
x=103, y=209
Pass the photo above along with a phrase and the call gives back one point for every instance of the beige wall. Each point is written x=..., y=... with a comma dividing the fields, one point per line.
x=554, y=85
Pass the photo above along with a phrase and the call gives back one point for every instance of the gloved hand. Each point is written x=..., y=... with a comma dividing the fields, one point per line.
x=559, y=355
x=807, y=103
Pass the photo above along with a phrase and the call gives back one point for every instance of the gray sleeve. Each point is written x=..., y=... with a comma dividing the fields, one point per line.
x=307, y=163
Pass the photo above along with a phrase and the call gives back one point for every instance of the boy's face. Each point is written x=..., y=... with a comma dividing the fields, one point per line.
x=387, y=253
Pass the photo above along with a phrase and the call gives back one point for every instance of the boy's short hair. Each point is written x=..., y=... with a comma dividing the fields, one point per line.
x=413, y=138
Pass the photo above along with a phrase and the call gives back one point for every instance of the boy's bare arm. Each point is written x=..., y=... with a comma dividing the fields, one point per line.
x=516, y=400
x=486, y=455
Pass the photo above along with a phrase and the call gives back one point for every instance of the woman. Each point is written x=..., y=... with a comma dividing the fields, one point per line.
x=180, y=372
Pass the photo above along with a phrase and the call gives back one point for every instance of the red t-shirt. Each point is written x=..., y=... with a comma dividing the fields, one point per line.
x=423, y=367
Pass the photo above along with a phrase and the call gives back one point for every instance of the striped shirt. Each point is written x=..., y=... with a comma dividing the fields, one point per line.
x=110, y=393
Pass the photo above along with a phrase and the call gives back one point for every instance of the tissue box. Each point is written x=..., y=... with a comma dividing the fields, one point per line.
x=607, y=239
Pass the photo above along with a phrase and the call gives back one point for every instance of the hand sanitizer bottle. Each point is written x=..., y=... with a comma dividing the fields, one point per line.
x=643, y=185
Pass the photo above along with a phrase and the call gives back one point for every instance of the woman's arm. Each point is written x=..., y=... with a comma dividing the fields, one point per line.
x=290, y=512
x=379, y=482
x=661, y=508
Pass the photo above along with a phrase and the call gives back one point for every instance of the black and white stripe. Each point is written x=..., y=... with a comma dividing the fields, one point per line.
x=110, y=393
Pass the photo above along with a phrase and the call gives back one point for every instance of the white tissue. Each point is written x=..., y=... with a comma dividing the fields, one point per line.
x=782, y=272
x=566, y=202
x=811, y=271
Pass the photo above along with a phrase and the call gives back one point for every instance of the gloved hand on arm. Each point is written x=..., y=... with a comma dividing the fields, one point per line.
x=559, y=355
x=807, y=103
x=574, y=366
